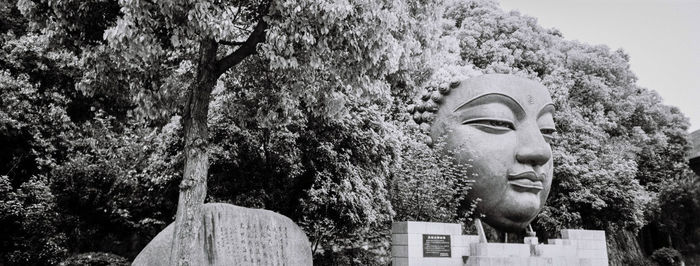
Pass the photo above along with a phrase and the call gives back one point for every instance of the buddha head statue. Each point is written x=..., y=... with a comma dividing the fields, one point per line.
x=500, y=125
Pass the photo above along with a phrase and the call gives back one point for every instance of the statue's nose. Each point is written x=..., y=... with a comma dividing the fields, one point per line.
x=532, y=149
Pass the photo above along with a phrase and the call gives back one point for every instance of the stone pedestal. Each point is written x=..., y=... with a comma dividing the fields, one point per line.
x=232, y=235
x=575, y=248
x=407, y=244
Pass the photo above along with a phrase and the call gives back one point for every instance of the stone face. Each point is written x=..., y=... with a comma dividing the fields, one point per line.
x=500, y=126
x=410, y=227
x=232, y=235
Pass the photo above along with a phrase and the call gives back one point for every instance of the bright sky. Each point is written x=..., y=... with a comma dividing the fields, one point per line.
x=662, y=38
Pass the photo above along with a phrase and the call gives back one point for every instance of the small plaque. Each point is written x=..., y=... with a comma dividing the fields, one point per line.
x=437, y=246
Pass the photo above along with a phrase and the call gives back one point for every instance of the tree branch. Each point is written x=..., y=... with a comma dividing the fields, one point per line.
x=231, y=43
x=238, y=12
x=246, y=49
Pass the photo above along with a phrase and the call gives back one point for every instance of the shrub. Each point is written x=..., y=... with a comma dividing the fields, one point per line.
x=95, y=259
x=666, y=256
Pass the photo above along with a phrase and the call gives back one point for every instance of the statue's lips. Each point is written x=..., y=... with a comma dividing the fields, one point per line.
x=529, y=181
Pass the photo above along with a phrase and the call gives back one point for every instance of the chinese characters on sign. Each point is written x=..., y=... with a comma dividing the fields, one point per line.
x=437, y=246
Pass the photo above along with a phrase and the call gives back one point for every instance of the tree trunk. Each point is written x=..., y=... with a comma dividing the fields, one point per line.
x=193, y=187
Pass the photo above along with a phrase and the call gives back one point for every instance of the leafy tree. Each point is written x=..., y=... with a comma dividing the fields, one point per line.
x=28, y=219
x=675, y=213
x=31, y=123
x=45, y=51
x=312, y=168
x=118, y=184
x=331, y=54
x=667, y=256
x=426, y=185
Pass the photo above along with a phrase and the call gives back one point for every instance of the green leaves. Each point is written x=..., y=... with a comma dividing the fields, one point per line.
x=347, y=47
x=29, y=223
x=148, y=29
x=427, y=185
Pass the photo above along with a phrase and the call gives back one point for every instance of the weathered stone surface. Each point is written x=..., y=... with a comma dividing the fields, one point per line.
x=232, y=235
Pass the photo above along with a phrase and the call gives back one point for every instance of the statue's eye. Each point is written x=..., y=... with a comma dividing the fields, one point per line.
x=548, y=133
x=492, y=123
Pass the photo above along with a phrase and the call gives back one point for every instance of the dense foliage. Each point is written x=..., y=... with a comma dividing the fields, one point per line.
x=667, y=257
x=95, y=259
x=313, y=125
x=675, y=213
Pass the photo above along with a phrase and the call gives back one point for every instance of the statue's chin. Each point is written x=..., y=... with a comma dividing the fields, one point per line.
x=513, y=216
x=507, y=224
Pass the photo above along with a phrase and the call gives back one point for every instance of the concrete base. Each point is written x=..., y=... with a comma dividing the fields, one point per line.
x=575, y=248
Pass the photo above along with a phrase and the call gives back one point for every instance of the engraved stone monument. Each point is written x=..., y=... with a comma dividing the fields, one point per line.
x=232, y=235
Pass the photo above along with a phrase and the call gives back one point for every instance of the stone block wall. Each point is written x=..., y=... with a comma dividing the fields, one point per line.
x=575, y=248
x=407, y=243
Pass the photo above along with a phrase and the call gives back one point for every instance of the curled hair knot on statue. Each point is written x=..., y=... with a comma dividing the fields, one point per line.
x=424, y=111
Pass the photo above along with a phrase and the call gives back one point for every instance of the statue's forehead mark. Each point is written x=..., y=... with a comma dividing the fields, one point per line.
x=510, y=99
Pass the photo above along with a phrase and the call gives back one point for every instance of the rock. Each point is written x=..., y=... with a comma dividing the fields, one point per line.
x=232, y=235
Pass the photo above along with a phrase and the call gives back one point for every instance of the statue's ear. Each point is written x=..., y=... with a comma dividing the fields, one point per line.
x=442, y=124
x=439, y=130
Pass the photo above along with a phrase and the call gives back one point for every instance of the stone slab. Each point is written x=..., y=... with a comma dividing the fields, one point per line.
x=592, y=262
x=577, y=234
x=513, y=261
x=405, y=251
x=416, y=251
x=592, y=254
x=410, y=227
x=420, y=261
x=559, y=242
x=499, y=250
x=232, y=235
x=404, y=239
x=417, y=239
x=550, y=250
x=591, y=244
x=464, y=240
